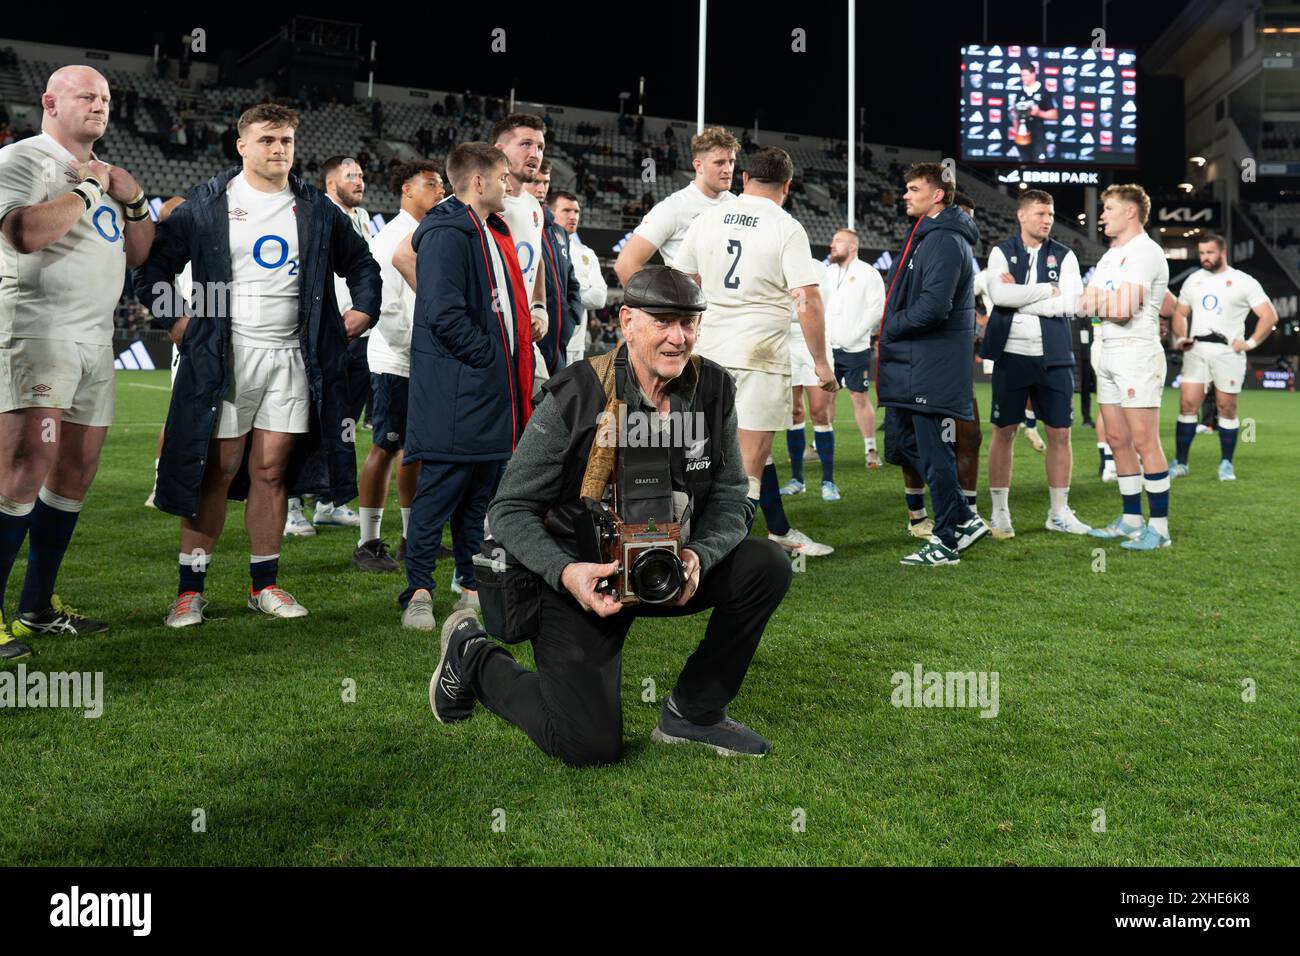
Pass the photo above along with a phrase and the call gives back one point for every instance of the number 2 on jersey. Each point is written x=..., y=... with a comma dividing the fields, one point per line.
x=732, y=281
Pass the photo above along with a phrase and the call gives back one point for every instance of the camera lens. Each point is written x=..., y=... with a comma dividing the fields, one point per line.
x=656, y=575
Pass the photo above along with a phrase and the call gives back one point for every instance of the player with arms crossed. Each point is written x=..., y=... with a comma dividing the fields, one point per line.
x=1126, y=293
x=72, y=225
x=713, y=153
x=750, y=256
x=1218, y=298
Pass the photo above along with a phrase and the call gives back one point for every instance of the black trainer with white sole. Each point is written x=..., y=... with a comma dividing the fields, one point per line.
x=56, y=619
x=729, y=738
x=450, y=697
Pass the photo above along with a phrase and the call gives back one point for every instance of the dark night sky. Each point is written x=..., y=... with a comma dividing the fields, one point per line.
x=583, y=54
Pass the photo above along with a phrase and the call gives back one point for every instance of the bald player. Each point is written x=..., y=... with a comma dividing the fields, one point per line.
x=72, y=226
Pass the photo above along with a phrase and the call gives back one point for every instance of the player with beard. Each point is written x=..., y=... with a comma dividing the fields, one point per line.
x=522, y=137
x=752, y=258
x=1218, y=298
x=72, y=225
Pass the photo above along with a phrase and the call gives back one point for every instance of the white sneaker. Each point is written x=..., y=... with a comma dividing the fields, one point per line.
x=186, y=610
x=419, y=612
x=1110, y=474
x=296, y=522
x=148, y=502
x=336, y=515
x=275, y=602
x=799, y=543
x=1067, y=522
x=1035, y=440
x=1000, y=526
x=468, y=599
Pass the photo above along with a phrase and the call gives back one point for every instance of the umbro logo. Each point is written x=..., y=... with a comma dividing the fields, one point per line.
x=392, y=436
x=41, y=389
x=238, y=215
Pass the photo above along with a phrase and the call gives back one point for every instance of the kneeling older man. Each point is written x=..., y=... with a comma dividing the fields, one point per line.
x=676, y=445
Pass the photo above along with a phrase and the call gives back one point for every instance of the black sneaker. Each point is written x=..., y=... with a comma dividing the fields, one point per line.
x=727, y=737
x=56, y=619
x=450, y=697
x=373, y=556
x=10, y=649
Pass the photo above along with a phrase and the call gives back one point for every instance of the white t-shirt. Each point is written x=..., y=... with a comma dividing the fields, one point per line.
x=1221, y=301
x=854, y=295
x=389, y=350
x=749, y=255
x=264, y=263
x=1139, y=260
x=68, y=290
x=1031, y=298
x=664, y=226
x=523, y=214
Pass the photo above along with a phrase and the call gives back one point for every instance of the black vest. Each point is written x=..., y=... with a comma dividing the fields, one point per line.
x=1058, y=346
x=581, y=398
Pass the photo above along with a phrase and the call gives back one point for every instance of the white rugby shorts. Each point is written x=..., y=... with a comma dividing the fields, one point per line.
x=52, y=373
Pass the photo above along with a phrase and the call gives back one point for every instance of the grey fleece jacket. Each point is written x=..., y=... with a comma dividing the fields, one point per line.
x=531, y=487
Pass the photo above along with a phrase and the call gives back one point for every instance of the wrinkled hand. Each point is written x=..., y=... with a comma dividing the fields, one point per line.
x=177, y=331
x=101, y=171
x=355, y=323
x=825, y=377
x=540, y=322
x=1184, y=343
x=580, y=580
x=1007, y=277
x=124, y=187
x=1240, y=345
x=691, y=561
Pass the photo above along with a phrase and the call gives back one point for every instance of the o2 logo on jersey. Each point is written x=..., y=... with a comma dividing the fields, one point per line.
x=109, y=213
x=258, y=257
x=532, y=254
x=1210, y=302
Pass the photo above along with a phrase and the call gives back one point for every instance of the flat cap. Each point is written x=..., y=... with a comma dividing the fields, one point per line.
x=660, y=290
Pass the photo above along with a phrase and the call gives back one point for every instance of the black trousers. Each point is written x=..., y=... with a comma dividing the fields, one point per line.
x=571, y=705
x=920, y=440
x=357, y=369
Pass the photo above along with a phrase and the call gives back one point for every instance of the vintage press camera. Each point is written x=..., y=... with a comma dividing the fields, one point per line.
x=637, y=530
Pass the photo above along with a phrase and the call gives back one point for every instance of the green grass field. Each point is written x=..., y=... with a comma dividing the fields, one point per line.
x=1121, y=690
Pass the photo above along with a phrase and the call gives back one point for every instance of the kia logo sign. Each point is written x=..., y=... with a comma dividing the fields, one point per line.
x=1204, y=214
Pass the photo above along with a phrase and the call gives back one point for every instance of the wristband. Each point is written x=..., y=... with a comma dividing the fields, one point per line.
x=137, y=210
x=1250, y=344
x=89, y=190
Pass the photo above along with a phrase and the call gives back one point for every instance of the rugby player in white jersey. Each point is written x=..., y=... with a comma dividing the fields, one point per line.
x=1218, y=298
x=821, y=407
x=522, y=137
x=751, y=257
x=267, y=347
x=419, y=185
x=72, y=226
x=1126, y=292
x=713, y=154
